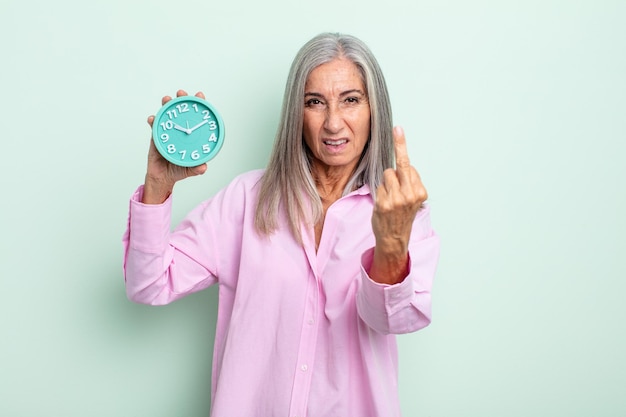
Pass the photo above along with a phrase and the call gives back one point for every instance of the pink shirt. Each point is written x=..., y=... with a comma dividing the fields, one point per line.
x=299, y=333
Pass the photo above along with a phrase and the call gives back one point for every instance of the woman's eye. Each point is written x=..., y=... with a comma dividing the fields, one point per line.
x=312, y=102
x=352, y=100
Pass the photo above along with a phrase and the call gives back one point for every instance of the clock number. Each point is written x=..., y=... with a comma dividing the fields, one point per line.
x=195, y=107
x=207, y=115
x=165, y=137
x=212, y=125
x=167, y=125
x=171, y=148
x=183, y=107
x=172, y=114
x=213, y=138
x=183, y=153
x=206, y=148
x=195, y=155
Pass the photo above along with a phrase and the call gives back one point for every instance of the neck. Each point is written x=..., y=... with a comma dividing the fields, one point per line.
x=330, y=183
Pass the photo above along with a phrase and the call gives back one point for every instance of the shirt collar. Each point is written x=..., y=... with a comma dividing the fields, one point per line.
x=363, y=190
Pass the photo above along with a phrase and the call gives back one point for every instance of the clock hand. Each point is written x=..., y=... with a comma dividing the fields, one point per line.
x=198, y=125
x=182, y=129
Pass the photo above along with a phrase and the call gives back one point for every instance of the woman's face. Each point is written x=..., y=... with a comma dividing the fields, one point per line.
x=336, y=116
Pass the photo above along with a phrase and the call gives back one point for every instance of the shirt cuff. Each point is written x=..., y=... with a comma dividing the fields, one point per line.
x=385, y=297
x=149, y=224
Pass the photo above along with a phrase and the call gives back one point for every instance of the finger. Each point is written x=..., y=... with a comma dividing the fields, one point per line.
x=181, y=93
x=403, y=164
x=150, y=120
x=165, y=99
x=198, y=170
x=390, y=181
x=200, y=94
x=382, y=196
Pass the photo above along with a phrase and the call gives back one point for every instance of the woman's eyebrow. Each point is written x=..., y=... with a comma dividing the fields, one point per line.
x=353, y=91
x=344, y=93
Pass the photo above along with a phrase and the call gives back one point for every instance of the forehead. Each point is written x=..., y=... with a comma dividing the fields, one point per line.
x=340, y=73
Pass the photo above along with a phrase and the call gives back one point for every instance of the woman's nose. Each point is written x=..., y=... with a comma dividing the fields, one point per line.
x=333, y=121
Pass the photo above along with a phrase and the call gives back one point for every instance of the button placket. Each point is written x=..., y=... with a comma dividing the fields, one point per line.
x=306, y=349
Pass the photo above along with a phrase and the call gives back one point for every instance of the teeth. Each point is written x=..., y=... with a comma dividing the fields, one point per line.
x=335, y=142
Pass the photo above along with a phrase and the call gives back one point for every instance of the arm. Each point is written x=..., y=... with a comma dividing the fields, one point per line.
x=160, y=267
x=398, y=199
x=148, y=253
x=403, y=307
x=398, y=272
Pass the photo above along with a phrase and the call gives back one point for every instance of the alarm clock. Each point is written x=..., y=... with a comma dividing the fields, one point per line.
x=188, y=131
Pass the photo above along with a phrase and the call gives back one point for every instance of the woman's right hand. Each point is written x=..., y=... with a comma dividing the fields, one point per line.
x=161, y=174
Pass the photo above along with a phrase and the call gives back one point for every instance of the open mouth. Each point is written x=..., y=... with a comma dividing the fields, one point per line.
x=335, y=142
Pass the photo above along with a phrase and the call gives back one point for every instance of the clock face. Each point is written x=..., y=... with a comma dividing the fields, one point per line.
x=187, y=131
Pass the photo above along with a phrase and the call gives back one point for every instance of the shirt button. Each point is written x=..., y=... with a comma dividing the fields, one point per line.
x=310, y=321
x=304, y=368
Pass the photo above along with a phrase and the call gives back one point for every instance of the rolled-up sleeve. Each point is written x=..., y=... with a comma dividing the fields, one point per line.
x=404, y=307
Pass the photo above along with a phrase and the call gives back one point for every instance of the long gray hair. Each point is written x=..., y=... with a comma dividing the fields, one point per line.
x=287, y=183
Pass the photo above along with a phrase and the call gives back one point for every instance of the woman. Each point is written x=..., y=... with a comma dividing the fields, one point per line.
x=320, y=258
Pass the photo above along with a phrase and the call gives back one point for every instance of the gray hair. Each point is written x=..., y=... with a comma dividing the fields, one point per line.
x=287, y=183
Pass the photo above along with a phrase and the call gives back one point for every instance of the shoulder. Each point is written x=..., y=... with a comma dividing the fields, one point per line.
x=242, y=188
x=249, y=178
x=245, y=183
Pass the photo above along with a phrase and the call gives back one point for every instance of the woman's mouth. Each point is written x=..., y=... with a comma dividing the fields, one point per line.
x=335, y=142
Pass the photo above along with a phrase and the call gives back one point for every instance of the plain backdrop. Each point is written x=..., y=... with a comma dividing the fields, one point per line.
x=515, y=113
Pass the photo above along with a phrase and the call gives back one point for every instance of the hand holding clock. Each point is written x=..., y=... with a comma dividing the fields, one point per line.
x=161, y=174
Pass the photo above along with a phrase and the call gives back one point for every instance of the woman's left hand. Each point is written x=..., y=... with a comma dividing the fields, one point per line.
x=398, y=200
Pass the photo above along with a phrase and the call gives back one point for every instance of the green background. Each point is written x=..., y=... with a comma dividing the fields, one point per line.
x=515, y=112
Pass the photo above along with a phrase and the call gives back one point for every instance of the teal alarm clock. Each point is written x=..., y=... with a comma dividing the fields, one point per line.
x=188, y=131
